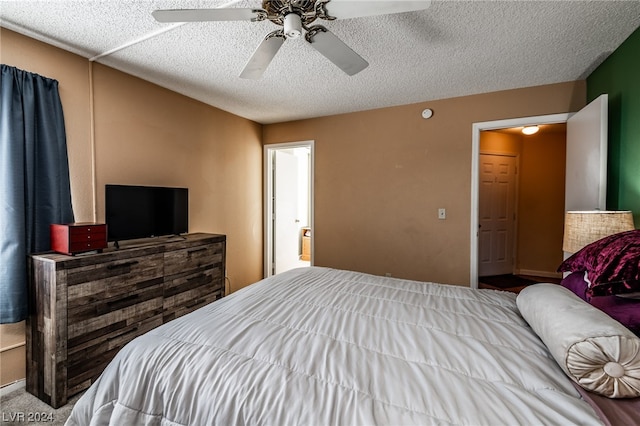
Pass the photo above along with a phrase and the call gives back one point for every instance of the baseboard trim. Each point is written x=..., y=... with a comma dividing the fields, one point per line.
x=7, y=389
x=531, y=272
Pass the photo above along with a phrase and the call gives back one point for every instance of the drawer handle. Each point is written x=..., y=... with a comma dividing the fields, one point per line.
x=190, y=252
x=122, y=265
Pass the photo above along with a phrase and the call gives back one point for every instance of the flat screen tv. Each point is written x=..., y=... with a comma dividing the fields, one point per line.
x=145, y=211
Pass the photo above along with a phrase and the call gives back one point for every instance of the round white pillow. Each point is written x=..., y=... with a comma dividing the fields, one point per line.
x=593, y=349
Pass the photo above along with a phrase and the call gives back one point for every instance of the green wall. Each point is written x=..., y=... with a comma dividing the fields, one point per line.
x=619, y=76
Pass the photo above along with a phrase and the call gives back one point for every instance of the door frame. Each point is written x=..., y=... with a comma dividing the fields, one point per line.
x=475, y=163
x=267, y=168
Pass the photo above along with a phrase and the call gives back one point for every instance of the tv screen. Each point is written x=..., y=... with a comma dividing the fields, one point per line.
x=145, y=211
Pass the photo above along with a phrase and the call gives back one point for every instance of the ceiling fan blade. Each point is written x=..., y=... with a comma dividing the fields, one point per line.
x=200, y=15
x=345, y=9
x=263, y=55
x=335, y=50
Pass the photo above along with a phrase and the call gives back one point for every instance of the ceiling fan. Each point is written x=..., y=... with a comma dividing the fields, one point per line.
x=294, y=16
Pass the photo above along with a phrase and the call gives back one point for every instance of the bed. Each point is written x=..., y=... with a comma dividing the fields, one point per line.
x=319, y=346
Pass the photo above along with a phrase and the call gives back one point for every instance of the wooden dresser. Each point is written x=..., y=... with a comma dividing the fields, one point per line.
x=85, y=308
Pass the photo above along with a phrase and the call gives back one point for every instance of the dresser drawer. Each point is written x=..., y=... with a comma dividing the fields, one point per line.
x=92, y=319
x=86, y=245
x=86, y=360
x=186, y=293
x=191, y=258
x=87, y=234
x=94, y=279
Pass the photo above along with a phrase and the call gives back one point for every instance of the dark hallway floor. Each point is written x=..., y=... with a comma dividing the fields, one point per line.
x=513, y=283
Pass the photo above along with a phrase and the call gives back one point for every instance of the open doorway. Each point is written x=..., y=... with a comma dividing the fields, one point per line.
x=288, y=206
x=500, y=126
x=521, y=206
x=585, y=180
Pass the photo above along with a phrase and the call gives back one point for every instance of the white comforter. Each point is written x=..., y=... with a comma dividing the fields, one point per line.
x=317, y=346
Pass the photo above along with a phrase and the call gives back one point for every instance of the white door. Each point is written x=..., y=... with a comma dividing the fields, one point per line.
x=586, y=174
x=496, y=205
x=286, y=229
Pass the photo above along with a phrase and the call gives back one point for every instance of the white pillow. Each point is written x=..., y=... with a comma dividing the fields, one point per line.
x=593, y=349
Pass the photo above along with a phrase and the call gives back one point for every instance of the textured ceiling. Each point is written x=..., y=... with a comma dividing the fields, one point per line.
x=453, y=48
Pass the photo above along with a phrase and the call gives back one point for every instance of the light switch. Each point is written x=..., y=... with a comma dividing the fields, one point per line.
x=442, y=213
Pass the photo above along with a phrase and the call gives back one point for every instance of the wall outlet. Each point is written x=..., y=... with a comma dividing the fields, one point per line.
x=442, y=213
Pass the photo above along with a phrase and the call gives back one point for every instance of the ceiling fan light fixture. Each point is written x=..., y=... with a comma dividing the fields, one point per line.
x=292, y=25
x=530, y=130
x=294, y=16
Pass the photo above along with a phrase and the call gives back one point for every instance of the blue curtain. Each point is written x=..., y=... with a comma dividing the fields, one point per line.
x=34, y=180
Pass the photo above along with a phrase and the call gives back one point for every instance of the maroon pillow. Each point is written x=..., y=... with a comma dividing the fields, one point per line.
x=624, y=310
x=612, y=263
x=576, y=283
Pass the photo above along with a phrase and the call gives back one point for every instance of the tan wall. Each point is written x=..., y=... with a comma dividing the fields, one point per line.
x=540, y=201
x=12, y=353
x=493, y=142
x=541, y=209
x=381, y=175
x=145, y=134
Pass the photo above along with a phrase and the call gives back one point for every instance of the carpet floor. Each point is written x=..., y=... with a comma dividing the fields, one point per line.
x=20, y=408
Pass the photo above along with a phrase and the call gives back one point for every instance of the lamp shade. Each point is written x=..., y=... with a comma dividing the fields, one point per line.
x=584, y=227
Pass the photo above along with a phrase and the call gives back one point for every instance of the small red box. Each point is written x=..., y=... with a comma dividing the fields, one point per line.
x=72, y=238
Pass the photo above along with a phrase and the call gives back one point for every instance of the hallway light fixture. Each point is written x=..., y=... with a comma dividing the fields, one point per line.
x=530, y=130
